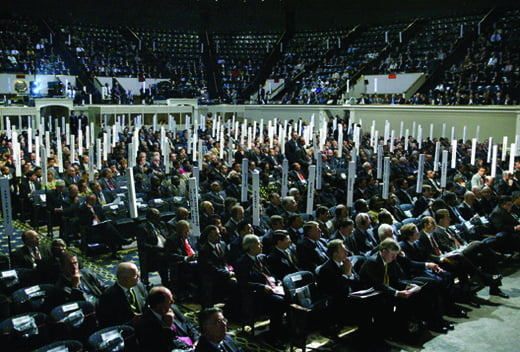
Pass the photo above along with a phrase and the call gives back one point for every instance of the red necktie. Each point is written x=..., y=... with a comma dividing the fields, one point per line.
x=189, y=250
x=110, y=184
x=436, y=249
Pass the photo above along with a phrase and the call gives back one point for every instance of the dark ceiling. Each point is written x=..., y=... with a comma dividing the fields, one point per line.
x=243, y=15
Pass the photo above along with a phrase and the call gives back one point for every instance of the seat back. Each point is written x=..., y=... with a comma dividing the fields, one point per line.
x=14, y=279
x=38, y=298
x=24, y=332
x=299, y=288
x=113, y=339
x=75, y=321
x=67, y=345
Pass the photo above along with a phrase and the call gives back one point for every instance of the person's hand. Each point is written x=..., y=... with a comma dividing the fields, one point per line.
x=404, y=294
x=347, y=267
x=75, y=279
x=191, y=257
x=168, y=318
x=434, y=267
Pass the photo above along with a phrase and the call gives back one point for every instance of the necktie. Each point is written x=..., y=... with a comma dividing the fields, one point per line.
x=96, y=219
x=386, y=279
x=37, y=255
x=189, y=250
x=289, y=257
x=132, y=299
x=267, y=278
x=454, y=239
x=436, y=250
x=110, y=185
x=217, y=248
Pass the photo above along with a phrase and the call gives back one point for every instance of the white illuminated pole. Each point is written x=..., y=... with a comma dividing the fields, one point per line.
x=310, y=188
x=29, y=140
x=37, y=150
x=490, y=146
x=106, y=146
x=452, y=132
x=194, y=206
x=98, y=154
x=44, y=165
x=379, y=162
x=59, y=150
x=512, y=155
x=453, y=153
x=419, y=137
x=350, y=183
x=504, y=148
x=132, y=202
x=413, y=129
x=245, y=171
x=406, y=141
x=401, y=126
x=437, y=156
x=473, y=150
x=477, y=133
x=285, y=175
x=91, y=163
x=444, y=168
x=386, y=177
x=16, y=152
x=420, y=175
x=494, y=161
x=47, y=143
x=431, y=132
x=340, y=142
x=392, y=139
x=464, y=130
x=166, y=157
x=443, y=134
x=319, y=162
x=256, y=197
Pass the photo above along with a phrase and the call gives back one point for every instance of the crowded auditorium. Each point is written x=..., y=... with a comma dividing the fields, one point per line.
x=259, y=175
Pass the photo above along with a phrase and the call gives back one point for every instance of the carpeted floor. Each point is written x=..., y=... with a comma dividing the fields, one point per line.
x=493, y=327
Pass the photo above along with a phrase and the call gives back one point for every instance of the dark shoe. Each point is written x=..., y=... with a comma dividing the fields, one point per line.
x=448, y=324
x=456, y=312
x=495, y=291
x=438, y=326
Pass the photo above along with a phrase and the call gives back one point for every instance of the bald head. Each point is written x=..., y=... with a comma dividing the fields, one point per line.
x=127, y=274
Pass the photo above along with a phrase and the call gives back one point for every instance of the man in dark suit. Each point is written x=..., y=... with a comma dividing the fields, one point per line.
x=255, y=278
x=291, y=148
x=152, y=237
x=30, y=254
x=214, y=337
x=214, y=267
x=92, y=219
x=281, y=259
x=182, y=257
x=337, y=279
x=312, y=249
x=75, y=284
x=504, y=220
x=163, y=327
x=55, y=200
x=363, y=235
x=124, y=301
x=383, y=272
x=344, y=233
x=423, y=202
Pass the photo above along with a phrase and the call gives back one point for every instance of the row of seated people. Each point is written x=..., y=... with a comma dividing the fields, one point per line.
x=23, y=49
x=78, y=304
x=433, y=248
